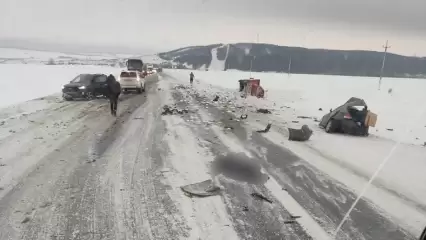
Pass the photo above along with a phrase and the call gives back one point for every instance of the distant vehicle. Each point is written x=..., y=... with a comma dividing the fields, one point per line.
x=86, y=86
x=134, y=65
x=132, y=80
x=352, y=118
x=158, y=68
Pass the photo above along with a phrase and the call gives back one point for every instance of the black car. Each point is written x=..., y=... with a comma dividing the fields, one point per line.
x=87, y=86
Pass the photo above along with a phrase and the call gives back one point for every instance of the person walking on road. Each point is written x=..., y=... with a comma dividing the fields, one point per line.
x=114, y=90
x=191, y=77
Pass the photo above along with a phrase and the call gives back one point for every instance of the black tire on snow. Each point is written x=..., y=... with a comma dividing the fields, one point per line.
x=330, y=127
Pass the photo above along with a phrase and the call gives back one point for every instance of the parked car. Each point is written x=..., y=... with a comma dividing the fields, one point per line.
x=132, y=80
x=86, y=86
x=349, y=118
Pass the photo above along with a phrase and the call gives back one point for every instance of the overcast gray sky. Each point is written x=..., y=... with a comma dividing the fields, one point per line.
x=168, y=24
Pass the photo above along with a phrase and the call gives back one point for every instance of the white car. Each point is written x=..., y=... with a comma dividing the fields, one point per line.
x=132, y=80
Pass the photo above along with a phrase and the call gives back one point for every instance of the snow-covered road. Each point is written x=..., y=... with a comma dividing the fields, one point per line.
x=75, y=172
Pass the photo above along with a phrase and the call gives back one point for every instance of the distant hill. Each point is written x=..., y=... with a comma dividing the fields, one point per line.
x=274, y=58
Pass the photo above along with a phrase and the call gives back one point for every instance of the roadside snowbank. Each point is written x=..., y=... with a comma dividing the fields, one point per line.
x=21, y=82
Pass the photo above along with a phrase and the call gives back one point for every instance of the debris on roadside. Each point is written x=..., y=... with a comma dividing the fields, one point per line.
x=181, y=86
x=304, y=117
x=216, y=98
x=264, y=111
x=45, y=204
x=2, y=165
x=167, y=110
x=244, y=116
x=268, y=127
x=289, y=221
x=26, y=219
x=302, y=134
x=245, y=209
x=201, y=189
x=138, y=118
x=229, y=127
x=389, y=129
x=295, y=121
x=319, y=109
x=261, y=197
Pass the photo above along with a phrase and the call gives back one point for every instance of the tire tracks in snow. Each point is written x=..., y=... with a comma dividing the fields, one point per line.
x=57, y=199
x=323, y=198
x=251, y=219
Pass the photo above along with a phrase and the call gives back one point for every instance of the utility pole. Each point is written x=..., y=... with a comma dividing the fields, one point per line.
x=386, y=47
x=289, y=67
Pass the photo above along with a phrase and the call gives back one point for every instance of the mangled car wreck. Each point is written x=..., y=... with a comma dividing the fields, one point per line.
x=353, y=117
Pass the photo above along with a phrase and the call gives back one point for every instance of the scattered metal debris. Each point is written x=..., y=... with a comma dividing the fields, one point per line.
x=181, y=86
x=304, y=117
x=261, y=197
x=263, y=110
x=245, y=209
x=389, y=129
x=26, y=219
x=295, y=121
x=319, y=109
x=216, y=98
x=302, y=134
x=244, y=116
x=268, y=127
x=289, y=221
x=201, y=189
x=167, y=110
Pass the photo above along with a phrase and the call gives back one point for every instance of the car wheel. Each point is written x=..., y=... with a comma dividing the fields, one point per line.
x=330, y=127
x=68, y=99
x=89, y=96
x=139, y=90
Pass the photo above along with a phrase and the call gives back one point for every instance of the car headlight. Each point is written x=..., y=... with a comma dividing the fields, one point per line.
x=82, y=87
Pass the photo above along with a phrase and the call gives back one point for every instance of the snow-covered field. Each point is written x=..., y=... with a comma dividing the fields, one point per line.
x=399, y=188
x=14, y=53
x=20, y=82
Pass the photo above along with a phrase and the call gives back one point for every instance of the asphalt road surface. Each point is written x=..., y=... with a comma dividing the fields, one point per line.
x=119, y=178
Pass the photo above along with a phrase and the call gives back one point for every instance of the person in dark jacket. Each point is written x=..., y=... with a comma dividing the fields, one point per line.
x=191, y=77
x=114, y=90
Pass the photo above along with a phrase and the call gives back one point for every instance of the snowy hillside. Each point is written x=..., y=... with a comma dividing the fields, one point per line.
x=272, y=58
